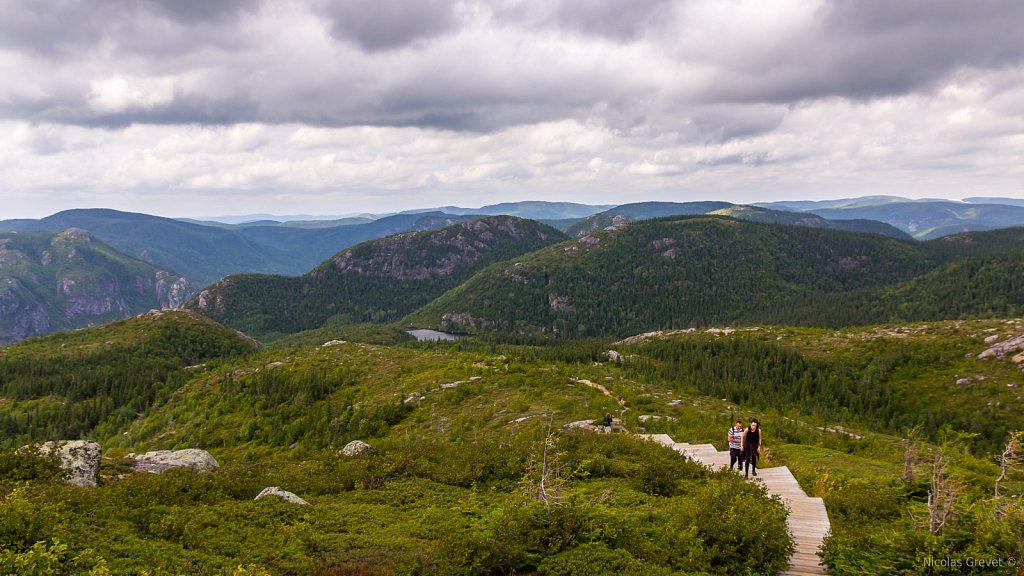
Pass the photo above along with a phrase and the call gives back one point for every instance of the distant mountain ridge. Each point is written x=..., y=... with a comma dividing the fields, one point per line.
x=207, y=253
x=70, y=280
x=648, y=210
x=922, y=219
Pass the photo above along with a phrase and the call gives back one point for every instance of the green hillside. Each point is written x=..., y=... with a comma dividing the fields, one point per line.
x=472, y=472
x=674, y=273
x=377, y=281
x=71, y=279
x=206, y=252
x=704, y=271
x=94, y=381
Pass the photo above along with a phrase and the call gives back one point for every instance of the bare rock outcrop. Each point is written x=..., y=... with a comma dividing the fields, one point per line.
x=1003, y=348
x=80, y=459
x=356, y=447
x=282, y=494
x=160, y=461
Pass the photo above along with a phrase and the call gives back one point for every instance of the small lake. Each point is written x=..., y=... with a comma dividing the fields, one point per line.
x=423, y=334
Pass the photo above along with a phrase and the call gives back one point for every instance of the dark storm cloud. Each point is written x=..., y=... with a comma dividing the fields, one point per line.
x=862, y=49
x=194, y=11
x=616, y=19
x=388, y=24
x=68, y=27
x=620, y=20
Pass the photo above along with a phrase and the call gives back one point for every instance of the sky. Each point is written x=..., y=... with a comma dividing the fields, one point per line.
x=193, y=107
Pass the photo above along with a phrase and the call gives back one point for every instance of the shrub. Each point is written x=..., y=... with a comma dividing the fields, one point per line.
x=597, y=559
x=52, y=560
x=472, y=555
x=28, y=464
x=24, y=522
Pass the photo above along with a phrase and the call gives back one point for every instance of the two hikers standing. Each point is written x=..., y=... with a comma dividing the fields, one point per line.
x=745, y=446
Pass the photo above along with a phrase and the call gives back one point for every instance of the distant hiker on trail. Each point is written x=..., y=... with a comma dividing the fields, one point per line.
x=736, y=445
x=751, y=446
x=607, y=423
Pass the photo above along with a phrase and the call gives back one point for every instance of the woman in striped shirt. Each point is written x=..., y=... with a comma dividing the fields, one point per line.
x=736, y=445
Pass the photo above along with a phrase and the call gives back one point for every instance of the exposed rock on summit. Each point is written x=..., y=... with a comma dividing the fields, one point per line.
x=1003, y=348
x=160, y=461
x=274, y=491
x=80, y=459
x=355, y=448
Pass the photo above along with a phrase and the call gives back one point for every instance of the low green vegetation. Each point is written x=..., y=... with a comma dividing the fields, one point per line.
x=473, y=470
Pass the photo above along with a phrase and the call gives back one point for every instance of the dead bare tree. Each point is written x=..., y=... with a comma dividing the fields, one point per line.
x=1011, y=457
x=1009, y=462
x=946, y=485
x=548, y=483
x=945, y=489
x=912, y=454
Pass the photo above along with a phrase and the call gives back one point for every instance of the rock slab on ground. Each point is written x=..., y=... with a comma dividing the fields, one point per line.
x=279, y=493
x=79, y=458
x=160, y=461
x=356, y=447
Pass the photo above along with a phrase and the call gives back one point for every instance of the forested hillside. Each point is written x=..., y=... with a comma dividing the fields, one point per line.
x=95, y=381
x=71, y=279
x=703, y=271
x=672, y=273
x=377, y=281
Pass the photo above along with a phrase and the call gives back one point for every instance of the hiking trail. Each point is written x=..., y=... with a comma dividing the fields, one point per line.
x=808, y=520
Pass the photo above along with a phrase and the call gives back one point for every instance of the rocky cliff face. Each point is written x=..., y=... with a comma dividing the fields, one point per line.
x=71, y=280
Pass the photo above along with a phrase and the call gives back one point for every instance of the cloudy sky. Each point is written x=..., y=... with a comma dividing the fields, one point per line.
x=199, y=107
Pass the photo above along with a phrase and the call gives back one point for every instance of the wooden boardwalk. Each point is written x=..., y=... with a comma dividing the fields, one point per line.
x=808, y=519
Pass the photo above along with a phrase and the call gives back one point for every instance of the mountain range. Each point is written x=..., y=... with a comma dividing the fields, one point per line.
x=922, y=219
x=377, y=281
x=294, y=252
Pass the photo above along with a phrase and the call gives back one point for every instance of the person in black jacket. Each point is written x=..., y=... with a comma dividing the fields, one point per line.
x=751, y=446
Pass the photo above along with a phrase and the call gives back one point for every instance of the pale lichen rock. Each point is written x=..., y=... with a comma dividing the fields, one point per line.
x=282, y=494
x=159, y=461
x=1003, y=348
x=80, y=459
x=356, y=447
